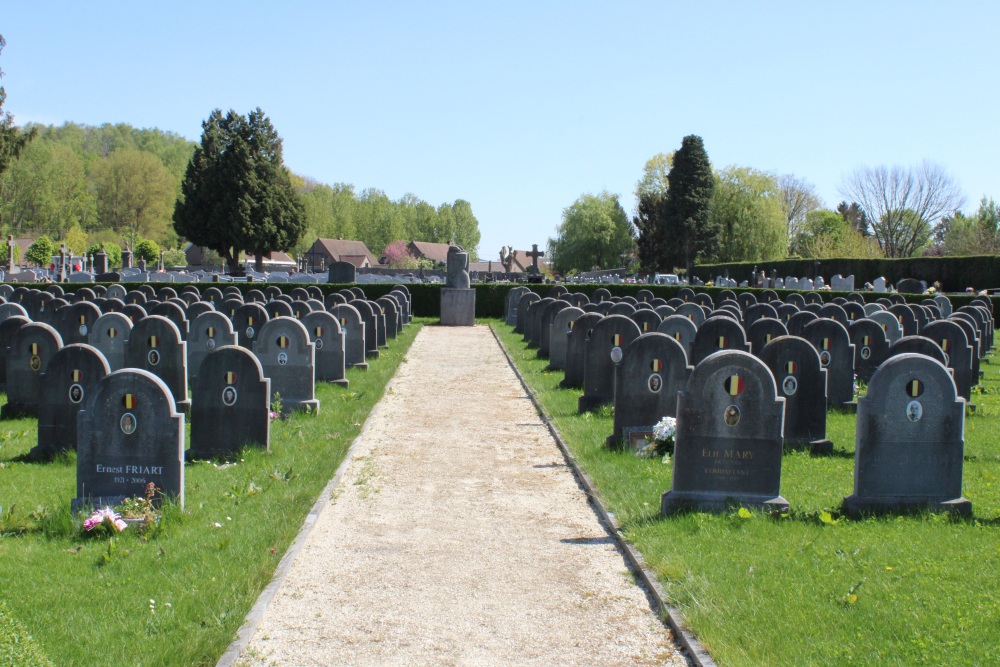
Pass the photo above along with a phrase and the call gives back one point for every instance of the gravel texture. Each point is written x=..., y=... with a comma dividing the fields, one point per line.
x=458, y=536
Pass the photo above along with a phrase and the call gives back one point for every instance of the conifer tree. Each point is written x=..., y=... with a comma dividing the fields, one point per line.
x=687, y=228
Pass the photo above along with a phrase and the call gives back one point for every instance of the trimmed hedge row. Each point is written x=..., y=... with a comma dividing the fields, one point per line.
x=954, y=273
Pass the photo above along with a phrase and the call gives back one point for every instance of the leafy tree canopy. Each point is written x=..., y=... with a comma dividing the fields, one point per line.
x=747, y=208
x=594, y=234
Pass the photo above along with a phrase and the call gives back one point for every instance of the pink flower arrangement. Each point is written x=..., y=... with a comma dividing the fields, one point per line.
x=105, y=516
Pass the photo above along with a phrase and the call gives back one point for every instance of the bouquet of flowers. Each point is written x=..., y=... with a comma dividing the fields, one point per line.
x=663, y=435
x=106, y=517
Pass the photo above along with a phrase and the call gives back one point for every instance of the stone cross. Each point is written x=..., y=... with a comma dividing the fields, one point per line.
x=534, y=255
x=62, y=263
x=10, y=251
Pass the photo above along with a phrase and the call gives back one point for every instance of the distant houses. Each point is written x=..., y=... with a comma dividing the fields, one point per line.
x=325, y=252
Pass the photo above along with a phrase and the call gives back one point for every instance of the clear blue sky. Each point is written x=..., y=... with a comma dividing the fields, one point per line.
x=521, y=107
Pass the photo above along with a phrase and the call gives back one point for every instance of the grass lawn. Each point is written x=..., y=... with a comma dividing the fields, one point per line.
x=176, y=594
x=810, y=588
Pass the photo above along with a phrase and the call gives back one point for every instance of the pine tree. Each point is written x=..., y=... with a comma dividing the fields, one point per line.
x=237, y=194
x=687, y=228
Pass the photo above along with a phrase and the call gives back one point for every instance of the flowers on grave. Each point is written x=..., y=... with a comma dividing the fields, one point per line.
x=662, y=442
x=141, y=509
x=105, y=518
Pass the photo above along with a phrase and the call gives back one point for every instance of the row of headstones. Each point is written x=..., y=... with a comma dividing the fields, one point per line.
x=837, y=283
x=651, y=369
x=136, y=436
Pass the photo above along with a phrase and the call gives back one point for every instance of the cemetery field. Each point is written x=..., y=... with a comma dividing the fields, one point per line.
x=177, y=593
x=810, y=587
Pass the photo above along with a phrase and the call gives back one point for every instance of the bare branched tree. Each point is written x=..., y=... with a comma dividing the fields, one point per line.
x=798, y=198
x=902, y=204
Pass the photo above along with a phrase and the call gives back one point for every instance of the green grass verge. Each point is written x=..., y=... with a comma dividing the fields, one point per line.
x=812, y=588
x=177, y=594
x=17, y=648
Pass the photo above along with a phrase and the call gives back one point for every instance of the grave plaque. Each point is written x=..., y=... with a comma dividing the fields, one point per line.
x=289, y=360
x=328, y=339
x=353, y=330
x=109, y=335
x=155, y=345
x=801, y=381
x=231, y=404
x=728, y=445
x=31, y=349
x=576, y=348
x=209, y=331
x=8, y=327
x=608, y=339
x=129, y=435
x=836, y=355
x=562, y=324
x=70, y=377
x=910, y=441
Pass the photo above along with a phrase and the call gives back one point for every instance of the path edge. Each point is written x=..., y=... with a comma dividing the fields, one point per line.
x=256, y=613
x=696, y=653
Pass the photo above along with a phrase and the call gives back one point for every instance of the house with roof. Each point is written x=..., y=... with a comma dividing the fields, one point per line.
x=325, y=252
x=436, y=252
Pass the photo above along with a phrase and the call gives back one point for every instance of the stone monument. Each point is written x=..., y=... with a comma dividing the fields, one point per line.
x=458, y=300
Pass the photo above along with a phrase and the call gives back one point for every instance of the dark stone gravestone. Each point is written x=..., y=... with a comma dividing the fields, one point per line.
x=717, y=333
x=728, y=445
x=681, y=329
x=134, y=312
x=763, y=332
x=227, y=306
x=315, y=292
x=693, y=312
x=918, y=345
x=199, y=307
x=272, y=292
x=371, y=327
x=704, y=299
x=911, y=286
x=648, y=320
x=608, y=339
x=855, y=297
x=341, y=273
x=907, y=321
x=55, y=290
x=952, y=340
x=621, y=308
x=109, y=336
x=254, y=296
x=49, y=312
x=652, y=370
x=231, y=404
x=797, y=322
x=277, y=308
x=406, y=306
x=834, y=312
x=353, y=330
x=155, y=346
x=8, y=310
x=979, y=318
x=129, y=435
x=136, y=297
x=522, y=311
x=390, y=311
x=76, y=321
x=549, y=313
x=289, y=360
x=855, y=311
x=166, y=293
x=576, y=349
x=889, y=323
x=577, y=299
x=675, y=303
x=458, y=300
x=836, y=355
x=332, y=300
x=247, y=321
x=920, y=315
x=813, y=297
x=758, y=311
x=631, y=300
x=31, y=349
x=328, y=340
x=36, y=304
x=944, y=303
x=796, y=299
x=814, y=308
x=801, y=381
x=533, y=321
x=643, y=305
x=910, y=441
x=644, y=296
x=381, y=337
x=113, y=305
x=768, y=295
x=175, y=314
x=209, y=331
x=600, y=294
x=686, y=294
x=664, y=311
x=300, y=309
x=189, y=297
x=70, y=376
x=562, y=323
x=557, y=291
x=213, y=295
x=8, y=327
x=745, y=299
x=871, y=347
x=299, y=294
x=347, y=294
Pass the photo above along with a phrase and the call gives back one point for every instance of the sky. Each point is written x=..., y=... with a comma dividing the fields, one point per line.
x=522, y=107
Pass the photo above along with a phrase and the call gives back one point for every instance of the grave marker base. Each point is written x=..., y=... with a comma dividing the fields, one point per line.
x=858, y=507
x=673, y=502
x=458, y=307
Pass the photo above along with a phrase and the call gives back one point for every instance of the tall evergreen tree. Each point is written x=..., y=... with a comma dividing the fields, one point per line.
x=651, y=194
x=687, y=227
x=237, y=194
x=12, y=138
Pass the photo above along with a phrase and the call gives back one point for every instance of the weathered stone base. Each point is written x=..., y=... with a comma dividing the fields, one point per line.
x=290, y=405
x=11, y=411
x=588, y=403
x=857, y=507
x=458, y=307
x=673, y=502
x=817, y=447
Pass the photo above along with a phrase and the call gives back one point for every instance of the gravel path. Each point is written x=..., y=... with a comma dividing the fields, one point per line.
x=458, y=536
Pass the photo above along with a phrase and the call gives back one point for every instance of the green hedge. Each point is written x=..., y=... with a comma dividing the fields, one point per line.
x=954, y=273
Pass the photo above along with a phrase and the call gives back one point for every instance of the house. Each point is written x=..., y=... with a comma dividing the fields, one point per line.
x=325, y=252
x=436, y=252
x=492, y=266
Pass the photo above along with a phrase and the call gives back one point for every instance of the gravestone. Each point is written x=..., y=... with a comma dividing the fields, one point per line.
x=855, y=311
x=911, y=286
x=458, y=300
x=176, y=314
x=944, y=303
x=836, y=355
x=889, y=323
x=278, y=308
x=371, y=327
x=559, y=331
x=154, y=345
x=758, y=311
x=405, y=305
x=693, y=312
x=576, y=349
x=704, y=299
x=247, y=321
x=289, y=360
x=763, y=332
x=8, y=310
x=910, y=441
x=648, y=320
x=653, y=369
x=871, y=347
x=8, y=327
x=328, y=341
x=834, y=312
x=513, y=297
x=728, y=445
x=801, y=381
x=134, y=312
x=353, y=330
x=197, y=308
x=129, y=435
x=390, y=312
x=334, y=299
x=31, y=349
x=798, y=322
x=523, y=304
x=958, y=354
x=600, y=294
x=717, y=333
x=75, y=322
x=70, y=376
x=231, y=404
x=544, y=328
x=681, y=329
x=109, y=335
x=918, y=345
x=607, y=340
x=621, y=308
x=341, y=273
x=209, y=331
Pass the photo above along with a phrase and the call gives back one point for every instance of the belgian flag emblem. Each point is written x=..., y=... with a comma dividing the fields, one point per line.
x=616, y=340
x=250, y=321
x=319, y=332
x=83, y=319
x=734, y=385
x=944, y=345
x=571, y=324
x=677, y=336
x=791, y=367
x=211, y=332
x=154, y=341
x=825, y=344
x=282, y=341
x=34, y=348
x=657, y=365
x=645, y=326
x=866, y=340
x=128, y=401
x=230, y=378
x=112, y=332
x=343, y=321
x=914, y=388
x=722, y=342
x=767, y=338
x=76, y=375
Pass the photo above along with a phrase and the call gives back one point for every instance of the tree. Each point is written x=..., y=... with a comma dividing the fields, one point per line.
x=902, y=204
x=174, y=257
x=651, y=195
x=12, y=139
x=41, y=252
x=976, y=234
x=748, y=209
x=113, y=251
x=595, y=233
x=237, y=194
x=148, y=250
x=687, y=222
x=75, y=240
x=466, y=228
x=397, y=256
x=46, y=190
x=134, y=194
x=826, y=234
x=799, y=199
x=855, y=217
